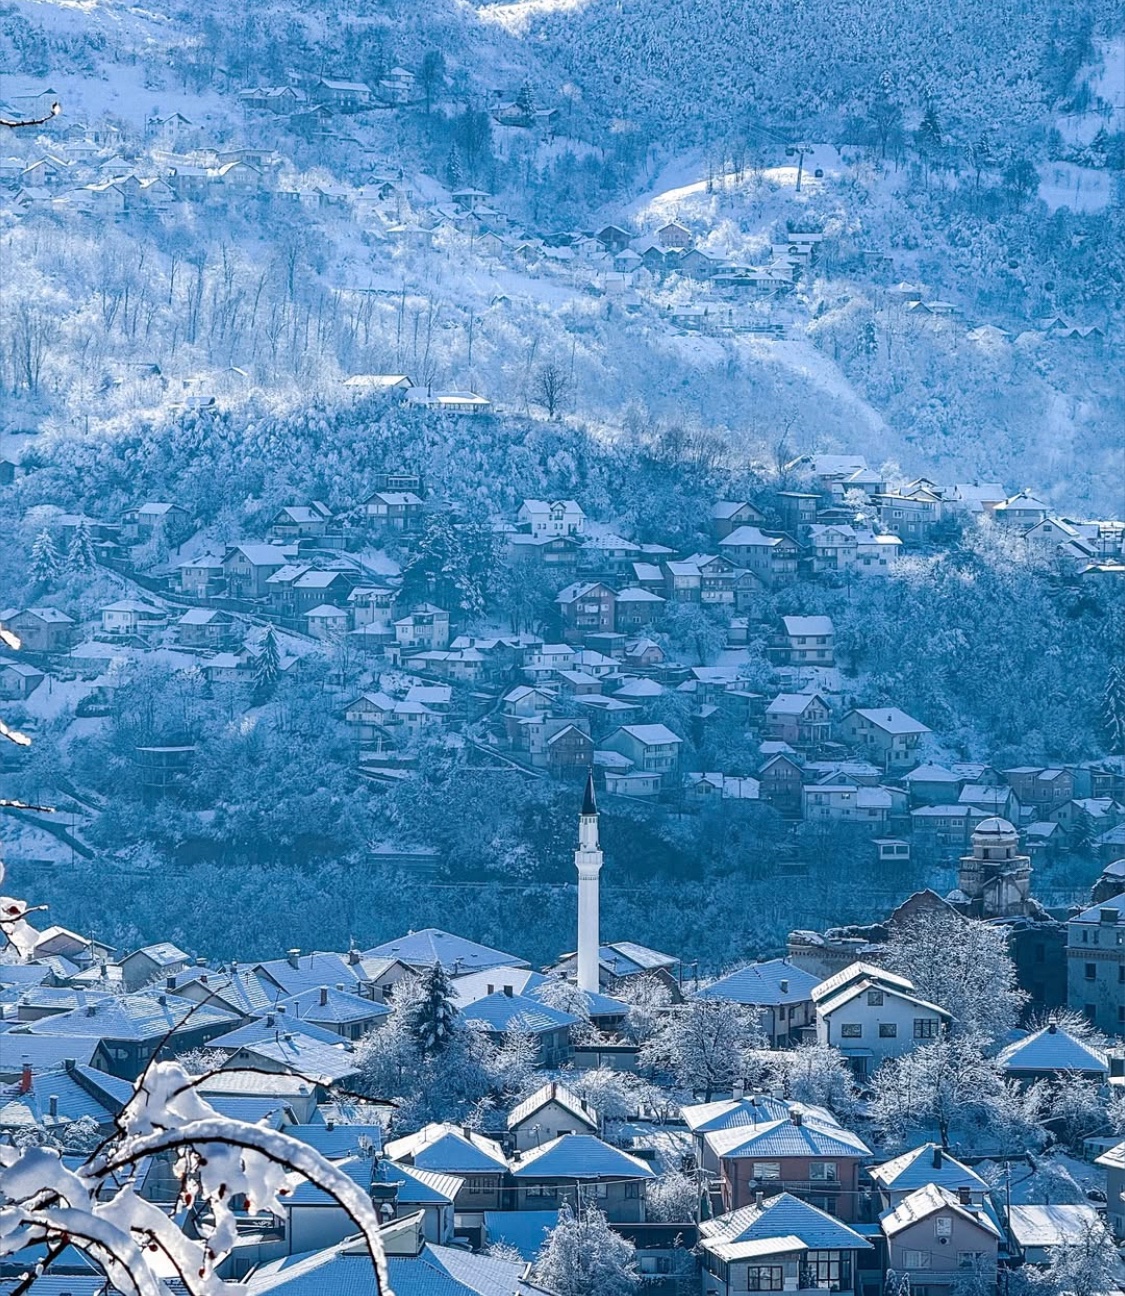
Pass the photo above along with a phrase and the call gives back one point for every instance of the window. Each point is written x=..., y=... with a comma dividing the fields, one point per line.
x=851, y=1030
x=970, y=1259
x=541, y=1190
x=761, y=1278
x=1091, y=971
x=828, y=1269
x=943, y=1226
x=888, y=1030
x=767, y=1170
x=822, y=1172
x=597, y=1191
x=875, y=998
x=925, y=1028
x=632, y=1191
x=916, y=1259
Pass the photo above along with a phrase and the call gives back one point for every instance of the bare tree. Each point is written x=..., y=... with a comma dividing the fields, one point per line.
x=552, y=386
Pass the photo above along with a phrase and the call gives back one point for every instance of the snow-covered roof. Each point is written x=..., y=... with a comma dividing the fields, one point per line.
x=431, y=945
x=417, y=1187
x=512, y=1012
x=927, y=1201
x=580, y=1156
x=776, y=981
x=802, y=626
x=892, y=720
x=552, y=1092
x=654, y=735
x=449, y=1150
x=1053, y=1049
x=1049, y=1226
x=792, y=1137
x=777, y=1221
x=793, y=703
x=751, y=1110
x=925, y=1165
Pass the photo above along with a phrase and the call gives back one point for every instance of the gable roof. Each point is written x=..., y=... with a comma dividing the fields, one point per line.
x=1052, y=1049
x=927, y=1201
x=449, y=1150
x=924, y=1165
x=580, y=1156
x=892, y=720
x=753, y=1110
x=552, y=1092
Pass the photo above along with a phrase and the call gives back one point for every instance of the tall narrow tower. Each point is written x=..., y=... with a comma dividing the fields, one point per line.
x=588, y=862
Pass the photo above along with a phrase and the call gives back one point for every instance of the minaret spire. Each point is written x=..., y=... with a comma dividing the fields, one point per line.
x=588, y=862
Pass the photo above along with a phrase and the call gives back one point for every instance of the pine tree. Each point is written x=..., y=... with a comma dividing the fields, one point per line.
x=44, y=559
x=525, y=101
x=432, y=1015
x=80, y=551
x=267, y=668
x=454, y=171
x=1113, y=709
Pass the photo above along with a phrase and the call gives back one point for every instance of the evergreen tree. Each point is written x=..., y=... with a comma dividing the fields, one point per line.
x=80, y=551
x=454, y=171
x=267, y=669
x=433, y=1014
x=1113, y=709
x=583, y=1256
x=525, y=100
x=44, y=559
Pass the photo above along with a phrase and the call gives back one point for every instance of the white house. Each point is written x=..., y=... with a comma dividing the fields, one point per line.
x=871, y=1014
x=552, y=518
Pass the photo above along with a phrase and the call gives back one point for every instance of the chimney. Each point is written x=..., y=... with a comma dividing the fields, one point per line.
x=937, y=1158
x=759, y=1197
x=294, y=956
x=270, y=1019
x=170, y=984
x=281, y=1010
x=323, y=995
x=784, y=985
x=467, y=1133
x=162, y=1000
x=964, y=1196
x=91, y=1010
x=738, y=1090
x=25, y=1078
x=53, y=1106
x=797, y=1118
x=330, y=1123
x=353, y=957
x=1053, y=1028
x=69, y=1065
x=509, y=991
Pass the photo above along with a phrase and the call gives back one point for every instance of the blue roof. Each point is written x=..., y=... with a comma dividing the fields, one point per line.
x=417, y=1187
x=1052, y=1049
x=524, y=1230
x=340, y=1006
x=252, y=1108
x=787, y=1139
x=134, y=1017
x=760, y=983
x=81, y=1092
x=347, y=1271
x=504, y=1012
x=337, y=1140
x=732, y=1113
x=357, y=1168
x=312, y=972
x=579, y=1156
x=446, y=1149
x=264, y=1030
x=430, y=946
x=785, y=1216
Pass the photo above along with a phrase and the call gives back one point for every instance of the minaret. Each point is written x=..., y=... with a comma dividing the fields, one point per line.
x=588, y=862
